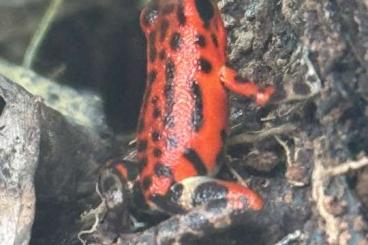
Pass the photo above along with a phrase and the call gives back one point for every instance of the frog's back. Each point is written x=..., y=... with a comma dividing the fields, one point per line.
x=184, y=113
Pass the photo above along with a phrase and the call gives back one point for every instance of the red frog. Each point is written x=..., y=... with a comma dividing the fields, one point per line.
x=183, y=120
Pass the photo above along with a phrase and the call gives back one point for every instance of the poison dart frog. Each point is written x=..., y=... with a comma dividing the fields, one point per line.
x=183, y=119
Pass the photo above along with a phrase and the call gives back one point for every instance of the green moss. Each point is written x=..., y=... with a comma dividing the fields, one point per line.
x=81, y=107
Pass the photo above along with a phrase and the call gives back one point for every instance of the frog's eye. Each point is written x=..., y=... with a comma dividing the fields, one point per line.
x=205, y=10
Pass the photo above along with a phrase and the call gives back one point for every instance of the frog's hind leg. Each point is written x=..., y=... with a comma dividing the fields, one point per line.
x=234, y=83
x=208, y=205
x=200, y=190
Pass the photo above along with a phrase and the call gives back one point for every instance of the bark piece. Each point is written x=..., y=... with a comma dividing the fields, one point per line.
x=19, y=149
x=41, y=150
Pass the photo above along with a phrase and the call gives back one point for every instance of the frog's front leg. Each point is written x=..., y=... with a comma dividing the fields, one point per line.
x=198, y=191
x=234, y=83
